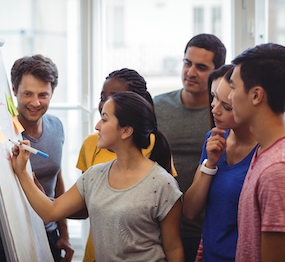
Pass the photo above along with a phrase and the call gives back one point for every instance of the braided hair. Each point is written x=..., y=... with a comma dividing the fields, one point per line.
x=134, y=81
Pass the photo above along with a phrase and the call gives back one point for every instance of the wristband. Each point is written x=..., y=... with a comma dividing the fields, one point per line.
x=207, y=170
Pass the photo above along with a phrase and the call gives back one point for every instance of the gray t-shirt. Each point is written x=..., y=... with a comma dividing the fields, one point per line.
x=46, y=169
x=125, y=223
x=185, y=129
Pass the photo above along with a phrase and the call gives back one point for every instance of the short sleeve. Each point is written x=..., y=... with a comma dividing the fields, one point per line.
x=169, y=193
x=271, y=194
x=81, y=185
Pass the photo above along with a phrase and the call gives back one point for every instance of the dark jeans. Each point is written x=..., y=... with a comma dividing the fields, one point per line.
x=190, y=245
x=53, y=236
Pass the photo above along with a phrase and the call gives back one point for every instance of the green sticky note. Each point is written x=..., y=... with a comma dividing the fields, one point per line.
x=10, y=106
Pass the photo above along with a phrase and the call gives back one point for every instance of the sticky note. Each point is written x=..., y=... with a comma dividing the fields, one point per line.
x=17, y=124
x=10, y=106
x=3, y=138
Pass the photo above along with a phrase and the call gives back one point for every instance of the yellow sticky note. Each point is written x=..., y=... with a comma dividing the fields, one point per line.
x=17, y=124
x=3, y=138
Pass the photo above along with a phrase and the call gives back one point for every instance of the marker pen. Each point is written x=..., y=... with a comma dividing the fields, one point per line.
x=30, y=149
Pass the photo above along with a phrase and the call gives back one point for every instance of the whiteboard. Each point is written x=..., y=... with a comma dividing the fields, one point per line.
x=22, y=230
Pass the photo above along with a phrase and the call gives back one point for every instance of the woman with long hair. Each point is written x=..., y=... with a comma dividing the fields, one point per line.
x=133, y=203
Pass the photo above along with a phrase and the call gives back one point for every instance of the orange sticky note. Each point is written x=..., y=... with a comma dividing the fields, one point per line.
x=17, y=124
x=3, y=138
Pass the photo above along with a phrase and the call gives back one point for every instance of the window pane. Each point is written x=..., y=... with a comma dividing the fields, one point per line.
x=150, y=36
x=198, y=17
x=49, y=28
x=216, y=21
x=276, y=23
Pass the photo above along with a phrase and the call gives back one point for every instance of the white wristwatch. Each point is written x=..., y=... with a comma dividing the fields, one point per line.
x=207, y=170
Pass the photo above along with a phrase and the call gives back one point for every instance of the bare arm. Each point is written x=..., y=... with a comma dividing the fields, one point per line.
x=272, y=246
x=82, y=214
x=195, y=197
x=68, y=203
x=170, y=230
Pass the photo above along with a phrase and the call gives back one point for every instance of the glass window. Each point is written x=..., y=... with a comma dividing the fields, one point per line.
x=50, y=28
x=198, y=17
x=33, y=30
x=150, y=36
x=115, y=15
x=216, y=21
x=276, y=21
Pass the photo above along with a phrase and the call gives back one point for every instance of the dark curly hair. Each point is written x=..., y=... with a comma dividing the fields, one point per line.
x=39, y=66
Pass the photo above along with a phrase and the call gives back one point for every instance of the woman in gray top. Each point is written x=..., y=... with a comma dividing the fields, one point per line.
x=133, y=203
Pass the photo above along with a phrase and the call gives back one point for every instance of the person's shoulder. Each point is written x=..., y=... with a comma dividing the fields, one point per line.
x=209, y=133
x=165, y=103
x=52, y=120
x=166, y=96
x=93, y=175
x=277, y=150
x=161, y=177
x=101, y=167
x=282, y=141
x=162, y=173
